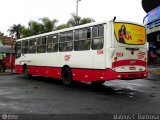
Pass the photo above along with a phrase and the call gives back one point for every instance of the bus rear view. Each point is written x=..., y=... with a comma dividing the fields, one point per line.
x=130, y=51
x=94, y=52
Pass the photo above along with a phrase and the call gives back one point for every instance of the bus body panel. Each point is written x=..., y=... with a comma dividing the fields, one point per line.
x=112, y=62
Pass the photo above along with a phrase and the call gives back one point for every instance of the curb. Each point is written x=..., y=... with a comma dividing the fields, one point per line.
x=154, y=72
x=7, y=73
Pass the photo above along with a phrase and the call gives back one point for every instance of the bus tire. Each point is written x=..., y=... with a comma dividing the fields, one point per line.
x=25, y=72
x=97, y=83
x=67, y=76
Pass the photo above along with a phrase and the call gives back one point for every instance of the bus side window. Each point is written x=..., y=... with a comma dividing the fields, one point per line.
x=82, y=39
x=49, y=43
x=97, y=37
x=32, y=46
x=25, y=47
x=18, y=50
x=66, y=41
x=55, y=43
x=41, y=45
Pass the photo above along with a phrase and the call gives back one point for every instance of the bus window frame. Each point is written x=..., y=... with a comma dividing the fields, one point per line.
x=82, y=39
x=99, y=37
x=24, y=46
x=65, y=42
x=18, y=54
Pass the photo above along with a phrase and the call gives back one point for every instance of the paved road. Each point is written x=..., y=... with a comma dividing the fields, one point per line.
x=41, y=95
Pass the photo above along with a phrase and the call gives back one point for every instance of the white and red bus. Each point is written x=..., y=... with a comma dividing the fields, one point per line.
x=94, y=52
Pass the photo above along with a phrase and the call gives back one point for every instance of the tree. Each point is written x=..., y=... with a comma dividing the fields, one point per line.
x=26, y=32
x=62, y=26
x=35, y=27
x=15, y=30
x=49, y=25
x=76, y=20
x=86, y=20
x=1, y=35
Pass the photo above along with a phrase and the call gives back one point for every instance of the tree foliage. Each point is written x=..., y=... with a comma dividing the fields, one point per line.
x=44, y=25
x=76, y=20
x=62, y=26
x=16, y=30
x=1, y=35
x=48, y=25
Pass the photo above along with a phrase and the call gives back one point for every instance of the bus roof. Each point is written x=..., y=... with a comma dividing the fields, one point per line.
x=74, y=28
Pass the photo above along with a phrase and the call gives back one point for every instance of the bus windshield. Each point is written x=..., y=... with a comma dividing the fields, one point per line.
x=131, y=34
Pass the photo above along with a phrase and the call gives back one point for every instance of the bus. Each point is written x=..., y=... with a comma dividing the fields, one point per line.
x=94, y=52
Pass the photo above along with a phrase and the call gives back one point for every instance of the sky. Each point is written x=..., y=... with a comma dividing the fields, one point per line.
x=22, y=11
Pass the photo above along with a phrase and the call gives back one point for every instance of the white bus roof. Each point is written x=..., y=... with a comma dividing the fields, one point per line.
x=74, y=28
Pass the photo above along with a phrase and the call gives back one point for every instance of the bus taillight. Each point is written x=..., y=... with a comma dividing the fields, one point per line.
x=115, y=59
x=145, y=59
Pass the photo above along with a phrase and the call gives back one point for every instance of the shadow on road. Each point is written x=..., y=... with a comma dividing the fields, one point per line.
x=116, y=91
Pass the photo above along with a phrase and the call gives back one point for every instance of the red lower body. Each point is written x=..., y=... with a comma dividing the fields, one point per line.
x=80, y=74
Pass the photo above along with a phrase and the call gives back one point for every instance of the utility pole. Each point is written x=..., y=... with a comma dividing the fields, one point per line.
x=77, y=1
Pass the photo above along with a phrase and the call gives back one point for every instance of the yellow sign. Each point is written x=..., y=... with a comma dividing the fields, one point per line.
x=131, y=34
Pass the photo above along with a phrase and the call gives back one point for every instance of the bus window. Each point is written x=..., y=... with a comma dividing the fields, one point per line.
x=41, y=45
x=69, y=36
x=49, y=43
x=55, y=43
x=25, y=47
x=18, y=50
x=66, y=41
x=52, y=43
x=82, y=39
x=32, y=46
x=66, y=46
x=62, y=37
x=97, y=37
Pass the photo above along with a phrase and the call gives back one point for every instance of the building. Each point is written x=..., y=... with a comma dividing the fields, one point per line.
x=7, y=48
x=152, y=24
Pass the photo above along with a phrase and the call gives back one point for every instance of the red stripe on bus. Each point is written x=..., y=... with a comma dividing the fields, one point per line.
x=80, y=74
x=129, y=63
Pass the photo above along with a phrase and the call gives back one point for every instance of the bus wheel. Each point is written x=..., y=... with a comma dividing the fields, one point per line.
x=67, y=76
x=98, y=82
x=25, y=73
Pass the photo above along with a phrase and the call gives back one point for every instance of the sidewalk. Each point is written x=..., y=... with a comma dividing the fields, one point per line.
x=7, y=72
x=153, y=72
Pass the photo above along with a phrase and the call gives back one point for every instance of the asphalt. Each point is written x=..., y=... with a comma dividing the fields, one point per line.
x=44, y=97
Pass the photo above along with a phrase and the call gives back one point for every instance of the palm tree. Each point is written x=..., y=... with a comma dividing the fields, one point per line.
x=36, y=27
x=62, y=26
x=26, y=32
x=86, y=20
x=49, y=25
x=15, y=30
x=76, y=20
